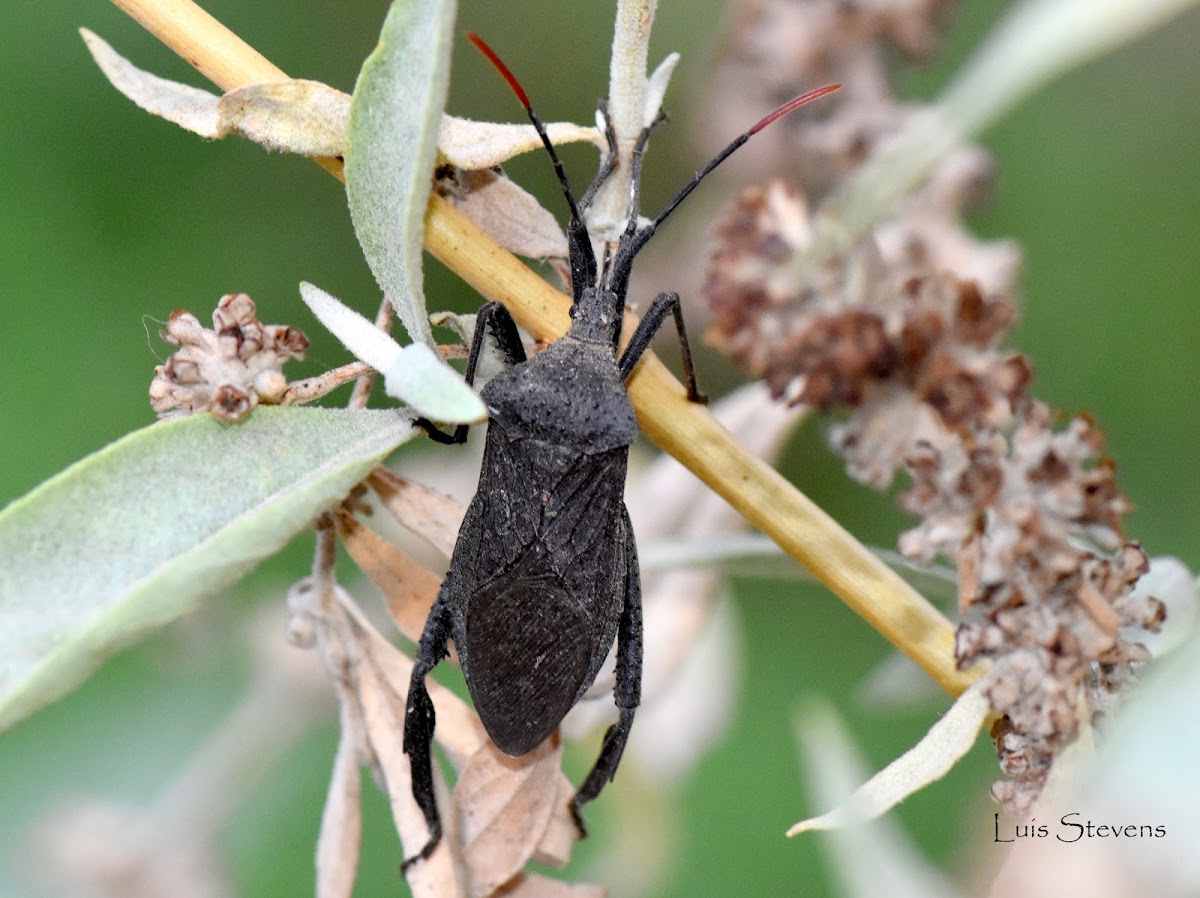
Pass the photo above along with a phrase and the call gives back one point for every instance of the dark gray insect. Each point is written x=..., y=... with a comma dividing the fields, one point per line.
x=544, y=575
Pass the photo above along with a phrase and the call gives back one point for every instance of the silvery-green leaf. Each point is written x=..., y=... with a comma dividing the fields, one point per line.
x=419, y=378
x=656, y=88
x=132, y=536
x=416, y=374
x=357, y=334
x=394, y=119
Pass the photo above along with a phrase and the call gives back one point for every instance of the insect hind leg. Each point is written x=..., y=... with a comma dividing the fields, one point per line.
x=628, y=691
x=664, y=304
x=419, y=721
x=497, y=319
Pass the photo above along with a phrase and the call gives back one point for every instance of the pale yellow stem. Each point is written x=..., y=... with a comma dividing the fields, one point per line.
x=684, y=429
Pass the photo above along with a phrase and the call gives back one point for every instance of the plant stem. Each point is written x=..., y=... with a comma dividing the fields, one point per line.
x=685, y=430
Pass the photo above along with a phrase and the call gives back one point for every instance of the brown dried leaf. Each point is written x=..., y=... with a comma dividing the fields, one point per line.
x=476, y=145
x=505, y=806
x=459, y=730
x=341, y=822
x=383, y=713
x=427, y=513
x=305, y=117
x=409, y=588
x=509, y=214
x=554, y=849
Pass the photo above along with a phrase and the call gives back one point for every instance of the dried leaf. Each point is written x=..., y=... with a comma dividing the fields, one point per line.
x=554, y=849
x=305, y=117
x=929, y=760
x=189, y=107
x=413, y=374
x=509, y=214
x=394, y=118
x=873, y=858
x=505, y=805
x=491, y=360
x=459, y=730
x=427, y=513
x=409, y=588
x=383, y=713
x=341, y=822
x=469, y=144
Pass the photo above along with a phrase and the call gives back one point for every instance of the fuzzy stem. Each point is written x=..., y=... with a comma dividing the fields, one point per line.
x=683, y=429
x=626, y=108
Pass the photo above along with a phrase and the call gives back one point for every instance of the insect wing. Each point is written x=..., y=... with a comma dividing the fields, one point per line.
x=531, y=681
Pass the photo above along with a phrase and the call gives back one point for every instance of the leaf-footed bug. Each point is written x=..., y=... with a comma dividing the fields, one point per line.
x=544, y=575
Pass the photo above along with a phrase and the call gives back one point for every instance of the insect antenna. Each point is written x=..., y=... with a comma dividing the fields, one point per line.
x=583, y=259
x=636, y=240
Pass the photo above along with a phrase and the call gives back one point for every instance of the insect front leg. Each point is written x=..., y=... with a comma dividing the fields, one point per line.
x=664, y=304
x=628, y=691
x=419, y=721
x=499, y=321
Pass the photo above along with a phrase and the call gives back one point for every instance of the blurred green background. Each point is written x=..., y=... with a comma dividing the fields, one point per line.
x=111, y=219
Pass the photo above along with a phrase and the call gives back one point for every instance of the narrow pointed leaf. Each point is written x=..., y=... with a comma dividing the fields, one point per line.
x=415, y=374
x=187, y=106
x=421, y=379
x=926, y=762
x=474, y=145
x=394, y=120
x=129, y=538
x=304, y=117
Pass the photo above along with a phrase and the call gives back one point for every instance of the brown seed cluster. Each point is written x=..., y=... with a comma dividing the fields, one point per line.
x=776, y=48
x=227, y=370
x=903, y=333
x=868, y=331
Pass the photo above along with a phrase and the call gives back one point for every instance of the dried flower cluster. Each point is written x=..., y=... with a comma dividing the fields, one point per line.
x=227, y=370
x=778, y=46
x=905, y=330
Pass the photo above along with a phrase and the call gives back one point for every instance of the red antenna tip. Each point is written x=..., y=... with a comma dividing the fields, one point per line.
x=790, y=105
x=500, y=67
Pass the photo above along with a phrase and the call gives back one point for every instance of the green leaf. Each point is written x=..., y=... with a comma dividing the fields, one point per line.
x=394, y=119
x=414, y=374
x=129, y=538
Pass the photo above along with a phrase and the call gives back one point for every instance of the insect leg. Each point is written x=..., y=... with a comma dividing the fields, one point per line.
x=608, y=166
x=628, y=691
x=419, y=720
x=496, y=318
x=664, y=304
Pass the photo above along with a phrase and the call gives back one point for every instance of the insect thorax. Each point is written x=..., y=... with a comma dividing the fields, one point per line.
x=569, y=395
